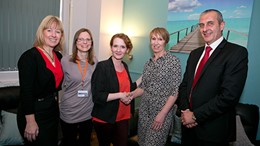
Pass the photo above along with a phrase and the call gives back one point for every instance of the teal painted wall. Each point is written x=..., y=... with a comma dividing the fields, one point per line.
x=252, y=87
x=147, y=14
x=142, y=16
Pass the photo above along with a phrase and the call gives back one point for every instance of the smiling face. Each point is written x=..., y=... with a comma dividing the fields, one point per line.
x=211, y=27
x=157, y=44
x=84, y=42
x=52, y=36
x=118, y=48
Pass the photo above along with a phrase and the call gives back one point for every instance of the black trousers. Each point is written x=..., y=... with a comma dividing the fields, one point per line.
x=108, y=133
x=189, y=138
x=47, y=118
x=76, y=134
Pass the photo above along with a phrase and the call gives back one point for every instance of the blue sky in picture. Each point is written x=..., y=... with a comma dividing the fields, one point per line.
x=190, y=9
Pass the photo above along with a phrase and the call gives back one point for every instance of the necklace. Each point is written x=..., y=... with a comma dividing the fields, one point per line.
x=52, y=58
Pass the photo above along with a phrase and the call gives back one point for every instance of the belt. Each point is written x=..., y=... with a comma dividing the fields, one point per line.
x=48, y=97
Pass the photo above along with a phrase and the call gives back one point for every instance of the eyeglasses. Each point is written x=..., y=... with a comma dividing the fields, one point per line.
x=83, y=40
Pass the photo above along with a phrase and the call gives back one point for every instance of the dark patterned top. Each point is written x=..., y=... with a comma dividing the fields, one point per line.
x=161, y=79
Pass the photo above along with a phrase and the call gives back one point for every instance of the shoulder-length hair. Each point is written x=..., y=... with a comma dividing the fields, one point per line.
x=45, y=24
x=74, y=57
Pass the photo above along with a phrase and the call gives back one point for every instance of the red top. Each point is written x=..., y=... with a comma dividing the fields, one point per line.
x=124, y=86
x=56, y=70
x=124, y=111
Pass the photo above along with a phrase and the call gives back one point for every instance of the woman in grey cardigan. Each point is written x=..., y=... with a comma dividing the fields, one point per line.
x=76, y=102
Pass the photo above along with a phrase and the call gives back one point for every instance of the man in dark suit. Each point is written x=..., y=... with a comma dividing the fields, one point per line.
x=208, y=106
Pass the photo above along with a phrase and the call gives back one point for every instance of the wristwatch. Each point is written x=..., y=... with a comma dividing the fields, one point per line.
x=193, y=117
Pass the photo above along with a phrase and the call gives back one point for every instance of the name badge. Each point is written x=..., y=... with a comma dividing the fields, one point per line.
x=83, y=93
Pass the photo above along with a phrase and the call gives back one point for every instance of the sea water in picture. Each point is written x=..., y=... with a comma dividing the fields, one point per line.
x=183, y=18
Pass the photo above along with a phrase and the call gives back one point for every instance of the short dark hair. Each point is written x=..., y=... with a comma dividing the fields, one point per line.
x=219, y=14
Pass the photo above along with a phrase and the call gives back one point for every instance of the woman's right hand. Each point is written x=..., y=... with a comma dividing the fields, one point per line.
x=31, y=130
x=126, y=98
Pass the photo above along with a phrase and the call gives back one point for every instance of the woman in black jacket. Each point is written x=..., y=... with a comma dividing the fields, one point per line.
x=111, y=87
x=40, y=77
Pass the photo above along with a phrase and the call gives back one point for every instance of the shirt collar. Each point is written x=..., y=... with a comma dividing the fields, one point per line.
x=215, y=44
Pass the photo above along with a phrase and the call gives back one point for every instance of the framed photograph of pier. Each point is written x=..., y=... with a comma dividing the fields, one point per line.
x=183, y=18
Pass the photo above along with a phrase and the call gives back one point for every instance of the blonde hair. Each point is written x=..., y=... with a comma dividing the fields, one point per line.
x=161, y=32
x=45, y=24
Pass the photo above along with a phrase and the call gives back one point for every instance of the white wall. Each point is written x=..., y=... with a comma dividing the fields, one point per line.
x=102, y=17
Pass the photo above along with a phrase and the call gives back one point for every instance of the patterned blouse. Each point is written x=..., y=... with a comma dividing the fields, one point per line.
x=161, y=78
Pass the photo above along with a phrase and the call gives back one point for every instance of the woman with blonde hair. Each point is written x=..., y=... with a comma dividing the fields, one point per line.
x=40, y=77
x=159, y=90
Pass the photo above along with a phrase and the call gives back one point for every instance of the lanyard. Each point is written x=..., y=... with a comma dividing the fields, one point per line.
x=85, y=71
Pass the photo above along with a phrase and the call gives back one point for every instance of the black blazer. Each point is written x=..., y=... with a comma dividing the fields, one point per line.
x=217, y=91
x=36, y=80
x=104, y=81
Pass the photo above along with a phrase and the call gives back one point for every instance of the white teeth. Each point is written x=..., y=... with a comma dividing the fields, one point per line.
x=53, y=40
x=118, y=54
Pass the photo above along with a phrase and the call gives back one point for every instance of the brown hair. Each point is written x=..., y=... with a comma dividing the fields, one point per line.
x=125, y=38
x=75, y=49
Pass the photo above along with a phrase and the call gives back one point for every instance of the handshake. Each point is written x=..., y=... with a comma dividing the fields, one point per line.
x=126, y=97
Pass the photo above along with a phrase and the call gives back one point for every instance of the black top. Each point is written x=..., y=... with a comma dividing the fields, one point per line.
x=36, y=80
x=104, y=81
x=217, y=90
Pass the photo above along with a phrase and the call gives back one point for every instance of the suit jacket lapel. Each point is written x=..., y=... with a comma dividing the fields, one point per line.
x=213, y=55
x=195, y=56
x=113, y=74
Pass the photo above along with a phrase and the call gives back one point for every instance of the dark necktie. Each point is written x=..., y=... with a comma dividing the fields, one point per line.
x=200, y=67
